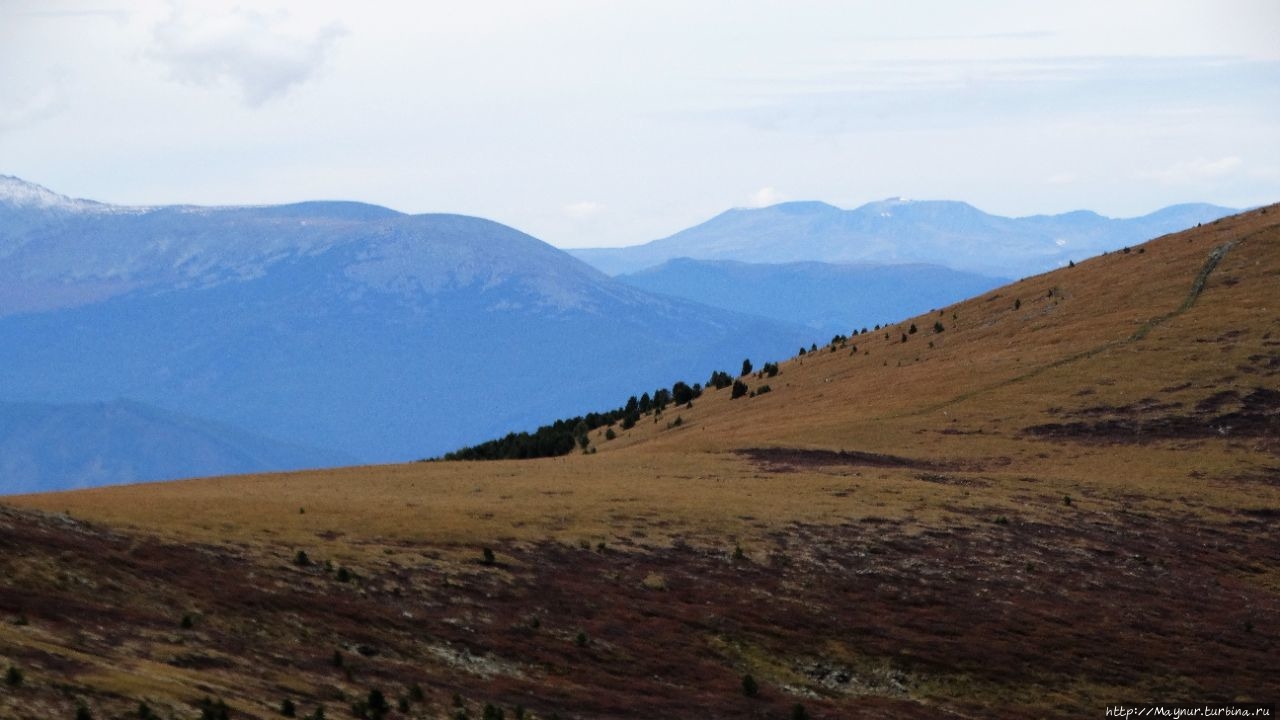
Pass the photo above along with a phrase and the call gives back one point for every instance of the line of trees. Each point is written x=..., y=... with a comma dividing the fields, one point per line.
x=562, y=436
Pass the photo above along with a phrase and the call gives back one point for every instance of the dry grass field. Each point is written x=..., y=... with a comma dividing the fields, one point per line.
x=1062, y=495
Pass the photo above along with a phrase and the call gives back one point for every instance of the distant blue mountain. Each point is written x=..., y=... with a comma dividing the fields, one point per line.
x=350, y=327
x=952, y=234
x=47, y=447
x=832, y=299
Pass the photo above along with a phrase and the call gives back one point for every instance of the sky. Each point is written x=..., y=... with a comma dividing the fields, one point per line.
x=598, y=123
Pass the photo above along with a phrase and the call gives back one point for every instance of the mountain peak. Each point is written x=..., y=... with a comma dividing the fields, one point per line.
x=17, y=192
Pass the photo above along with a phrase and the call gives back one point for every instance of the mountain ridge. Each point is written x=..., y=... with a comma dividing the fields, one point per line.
x=946, y=232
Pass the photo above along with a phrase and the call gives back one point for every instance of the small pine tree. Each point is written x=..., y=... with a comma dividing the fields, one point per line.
x=912, y=330
x=798, y=712
x=739, y=389
x=288, y=709
x=337, y=658
x=750, y=687
x=83, y=713
x=13, y=678
x=937, y=326
x=1017, y=303
x=416, y=694
x=581, y=640
x=301, y=559
x=487, y=556
x=746, y=368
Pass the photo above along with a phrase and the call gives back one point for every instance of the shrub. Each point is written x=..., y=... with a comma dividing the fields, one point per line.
x=720, y=379
x=82, y=713
x=802, y=352
x=13, y=678
x=750, y=687
x=771, y=369
x=912, y=329
x=344, y=575
x=145, y=712
x=318, y=714
x=377, y=704
x=214, y=710
x=187, y=622
x=486, y=556
x=763, y=389
x=739, y=389
x=493, y=712
x=904, y=337
x=403, y=705
x=798, y=712
x=937, y=326
x=609, y=434
x=288, y=709
x=1017, y=303
x=337, y=658
x=581, y=640
x=301, y=559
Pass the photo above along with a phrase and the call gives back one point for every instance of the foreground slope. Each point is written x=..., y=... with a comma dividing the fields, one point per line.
x=1060, y=500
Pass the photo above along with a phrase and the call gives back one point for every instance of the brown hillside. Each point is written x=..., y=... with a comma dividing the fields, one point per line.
x=1066, y=498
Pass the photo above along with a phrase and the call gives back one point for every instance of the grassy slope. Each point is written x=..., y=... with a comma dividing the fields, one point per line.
x=876, y=582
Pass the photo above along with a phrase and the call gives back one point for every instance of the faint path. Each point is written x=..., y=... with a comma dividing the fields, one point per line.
x=1197, y=286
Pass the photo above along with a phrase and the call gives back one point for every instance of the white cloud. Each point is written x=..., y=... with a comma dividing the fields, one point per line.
x=1186, y=172
x=582, y=210
x=1062, y=178
x=262, y=55
x=765, y=197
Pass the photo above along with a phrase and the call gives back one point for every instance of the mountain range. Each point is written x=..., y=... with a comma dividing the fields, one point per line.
x=374, y=334
x=379, y=336
x=895, y=231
